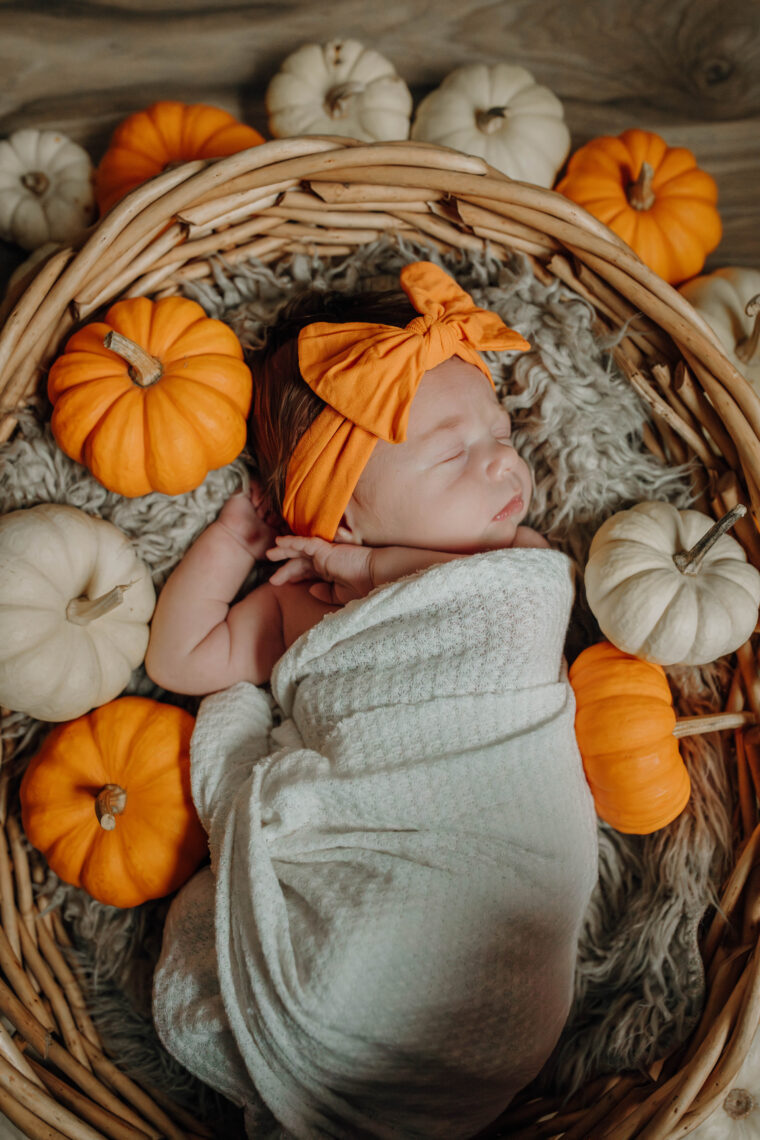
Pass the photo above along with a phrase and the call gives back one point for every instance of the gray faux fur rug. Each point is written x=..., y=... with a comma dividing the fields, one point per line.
x=639, y=982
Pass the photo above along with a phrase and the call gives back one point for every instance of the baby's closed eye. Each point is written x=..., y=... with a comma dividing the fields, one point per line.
x=454, y=455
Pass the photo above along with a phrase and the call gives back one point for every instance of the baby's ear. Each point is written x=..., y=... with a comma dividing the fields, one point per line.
x=344, y=533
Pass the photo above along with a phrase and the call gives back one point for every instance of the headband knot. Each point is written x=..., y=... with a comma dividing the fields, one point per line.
x=367, y=375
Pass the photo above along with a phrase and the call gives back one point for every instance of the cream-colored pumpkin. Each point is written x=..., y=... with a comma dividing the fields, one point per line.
x=722, y=298
x=75, y=602
x=338, y=88
x=737, y=1117
x=647, y=606
x=501, y=114
x=46, y=190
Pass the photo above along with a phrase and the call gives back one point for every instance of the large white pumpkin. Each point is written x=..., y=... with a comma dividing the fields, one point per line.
x=722, y=298
x=46, y=190
x=75, y=602
x=647, y=606
x=338, y=88
x=501, y=114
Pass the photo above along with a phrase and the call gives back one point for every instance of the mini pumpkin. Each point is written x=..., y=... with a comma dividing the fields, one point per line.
x=501, y=114
x=729, y=300
x=75, y=602
x=624, y=727
x=152, y=398
x=653, y=196
x=46, y=191
x=338, y=88
x=671, y=586
x=166, y=133
x=107, y=802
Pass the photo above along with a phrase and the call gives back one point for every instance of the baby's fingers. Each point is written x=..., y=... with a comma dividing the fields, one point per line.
x=290, y=545
x=294, y=570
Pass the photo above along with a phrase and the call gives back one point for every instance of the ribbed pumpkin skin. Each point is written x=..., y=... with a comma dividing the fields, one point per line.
x=673, y=236
x=166, y=132
x=143, y=746
x=165, y=437
x=623, y=724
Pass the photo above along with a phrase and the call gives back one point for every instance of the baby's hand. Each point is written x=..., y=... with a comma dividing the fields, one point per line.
x=246, y=518
x=345, y=569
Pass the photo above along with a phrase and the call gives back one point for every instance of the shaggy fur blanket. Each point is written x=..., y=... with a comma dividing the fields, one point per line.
x=639, y=982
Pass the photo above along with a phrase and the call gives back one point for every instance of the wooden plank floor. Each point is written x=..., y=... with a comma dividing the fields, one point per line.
x=689, y=69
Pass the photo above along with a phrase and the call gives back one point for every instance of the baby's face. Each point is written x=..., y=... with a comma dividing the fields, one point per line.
x=456, y=483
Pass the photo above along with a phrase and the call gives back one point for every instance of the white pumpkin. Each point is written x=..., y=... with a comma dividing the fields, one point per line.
x=738, y=1115
x=501, y=114
x=722, y=298
x=338, y=88
x=46, y=191
x=660, y=593
x=75, y=602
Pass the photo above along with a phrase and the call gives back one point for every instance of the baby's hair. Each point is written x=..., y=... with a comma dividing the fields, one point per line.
x=284, y=406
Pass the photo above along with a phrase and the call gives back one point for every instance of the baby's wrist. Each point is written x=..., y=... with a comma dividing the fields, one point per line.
x=239, y=521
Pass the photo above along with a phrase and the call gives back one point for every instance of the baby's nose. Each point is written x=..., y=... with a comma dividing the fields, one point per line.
x=501, y=460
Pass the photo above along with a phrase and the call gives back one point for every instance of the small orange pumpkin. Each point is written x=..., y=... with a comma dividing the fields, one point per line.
x=624, y=726
x=165, y=133
x=653, y=196
x=152, y=398
x=107, y=801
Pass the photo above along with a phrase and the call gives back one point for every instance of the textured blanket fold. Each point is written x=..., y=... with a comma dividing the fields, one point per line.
x=385, y=943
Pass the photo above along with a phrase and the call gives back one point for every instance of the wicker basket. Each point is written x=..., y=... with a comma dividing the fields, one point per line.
x=330, y=196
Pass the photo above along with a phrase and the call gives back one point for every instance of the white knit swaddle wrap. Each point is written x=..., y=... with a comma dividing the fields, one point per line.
x=387, y=943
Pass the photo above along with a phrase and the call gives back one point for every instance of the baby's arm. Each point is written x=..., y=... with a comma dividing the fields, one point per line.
x=348, y=571
x=198, y=642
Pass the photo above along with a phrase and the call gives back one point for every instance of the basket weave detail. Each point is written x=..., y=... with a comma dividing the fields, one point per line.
x=331, y=196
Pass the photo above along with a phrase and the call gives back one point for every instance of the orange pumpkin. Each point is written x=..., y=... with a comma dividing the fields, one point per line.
x=624, y=726
x=653, y=196
x=107, y=801
x=165, y=133
x=165, y=404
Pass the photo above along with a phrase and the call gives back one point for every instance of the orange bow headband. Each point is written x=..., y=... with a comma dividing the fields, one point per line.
x=368, y=375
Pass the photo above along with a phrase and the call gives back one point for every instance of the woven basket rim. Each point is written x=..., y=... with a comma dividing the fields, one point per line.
x=331, y=195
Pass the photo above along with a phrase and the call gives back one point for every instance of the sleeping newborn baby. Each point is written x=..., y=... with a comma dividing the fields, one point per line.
x=402, y=840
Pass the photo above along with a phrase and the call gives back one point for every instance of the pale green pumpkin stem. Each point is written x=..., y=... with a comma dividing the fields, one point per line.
x=144, y=369
x=491, y=120
x=110, y=802
x=640, y=193
x=81, y=611
x=690, y=561
x=337, y=97
x=35, y=181
x=712, y=722
x=747, y=347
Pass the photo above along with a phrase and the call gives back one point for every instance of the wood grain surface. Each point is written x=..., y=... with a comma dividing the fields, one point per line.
x=689, y=69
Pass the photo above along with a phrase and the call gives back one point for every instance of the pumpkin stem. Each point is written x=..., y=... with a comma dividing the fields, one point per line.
x=640, y=193
x=490, y=120
x=81, y=611
x=337, y=97
x=690, y=561
x=144, y=369
x=35, y=181
x=747, y=347
x=110, y=802
x=712, y=722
